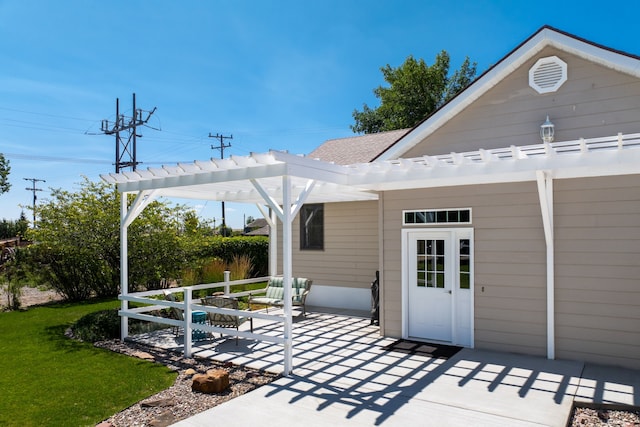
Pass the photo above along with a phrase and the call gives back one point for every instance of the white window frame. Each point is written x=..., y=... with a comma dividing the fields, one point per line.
x=435, y=211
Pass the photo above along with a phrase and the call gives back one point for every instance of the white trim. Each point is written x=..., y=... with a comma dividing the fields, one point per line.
x=435, y=224
x=454, y=235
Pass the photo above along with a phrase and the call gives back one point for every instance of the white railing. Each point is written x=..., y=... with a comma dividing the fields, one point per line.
x=582, y=145
x=187, y=306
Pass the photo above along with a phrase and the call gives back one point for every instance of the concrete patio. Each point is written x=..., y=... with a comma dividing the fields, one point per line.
x=343, y=375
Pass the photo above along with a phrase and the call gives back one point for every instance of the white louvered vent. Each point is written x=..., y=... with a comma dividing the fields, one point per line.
x=548, y=74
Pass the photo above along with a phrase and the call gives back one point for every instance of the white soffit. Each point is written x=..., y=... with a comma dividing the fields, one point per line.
x=529, y=49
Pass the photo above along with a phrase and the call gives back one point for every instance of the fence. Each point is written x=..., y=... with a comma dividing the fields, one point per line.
x=155, y=300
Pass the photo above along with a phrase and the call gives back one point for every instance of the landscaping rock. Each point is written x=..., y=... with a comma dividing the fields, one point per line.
x=143, y=355
x=214, y=381
x=165, y=419
x=190, y=372
x=159, y=403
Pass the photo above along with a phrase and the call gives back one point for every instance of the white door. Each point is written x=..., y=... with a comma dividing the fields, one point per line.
x=438, y=286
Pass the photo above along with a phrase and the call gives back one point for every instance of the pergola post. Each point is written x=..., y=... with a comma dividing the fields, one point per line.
x=287, y=272
x=124, y=266
x=127, y=215
x=545, y=193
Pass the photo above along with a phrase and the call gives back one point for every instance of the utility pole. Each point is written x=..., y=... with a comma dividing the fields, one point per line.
x=221, y=147
x=128, y=124
x=34, y=189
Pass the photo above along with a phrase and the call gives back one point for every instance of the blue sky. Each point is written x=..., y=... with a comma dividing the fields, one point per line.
x=283, y=75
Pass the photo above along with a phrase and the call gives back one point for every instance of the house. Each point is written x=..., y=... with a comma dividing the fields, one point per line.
x=485, y=235
x=258, y=227
x=475, y=261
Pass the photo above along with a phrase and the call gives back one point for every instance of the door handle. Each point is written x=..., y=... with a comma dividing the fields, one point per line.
x=449, y=291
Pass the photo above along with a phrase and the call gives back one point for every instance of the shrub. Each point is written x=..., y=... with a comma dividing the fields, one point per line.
x=98, y=326
x=78, y=250
x=256, y=248
x=240, y=267
x=213, y=271
x=105, y=325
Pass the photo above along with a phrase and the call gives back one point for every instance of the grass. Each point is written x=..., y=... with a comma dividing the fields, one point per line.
x=50, y=380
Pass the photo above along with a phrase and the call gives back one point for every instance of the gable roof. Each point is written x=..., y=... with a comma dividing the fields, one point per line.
x=356, y=149
x=544, y=37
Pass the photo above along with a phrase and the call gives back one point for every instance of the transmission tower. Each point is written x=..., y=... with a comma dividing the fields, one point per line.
x=126, y=147
x=221, y=147
x=35, y=197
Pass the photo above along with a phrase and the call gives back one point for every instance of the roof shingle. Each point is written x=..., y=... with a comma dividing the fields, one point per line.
x=356, y=149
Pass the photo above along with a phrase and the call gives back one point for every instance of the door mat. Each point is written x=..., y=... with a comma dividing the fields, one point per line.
x=438, y=351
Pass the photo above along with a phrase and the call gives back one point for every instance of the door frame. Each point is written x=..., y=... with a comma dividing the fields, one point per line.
x=406, y=235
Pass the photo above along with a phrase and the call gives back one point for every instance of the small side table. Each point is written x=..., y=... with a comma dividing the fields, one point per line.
x=198, y=317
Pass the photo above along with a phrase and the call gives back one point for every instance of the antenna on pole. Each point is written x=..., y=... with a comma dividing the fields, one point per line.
x=129, y=124
x=34, y=190
x=221, y=147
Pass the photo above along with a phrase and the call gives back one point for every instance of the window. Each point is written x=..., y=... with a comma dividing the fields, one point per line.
x=443, y=216
x=312, y=227
x=464, y=266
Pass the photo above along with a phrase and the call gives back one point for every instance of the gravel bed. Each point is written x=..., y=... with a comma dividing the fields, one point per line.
x=588, y=417
x=179, y=401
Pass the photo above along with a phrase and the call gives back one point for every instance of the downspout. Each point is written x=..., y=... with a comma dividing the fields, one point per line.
x=545, y=193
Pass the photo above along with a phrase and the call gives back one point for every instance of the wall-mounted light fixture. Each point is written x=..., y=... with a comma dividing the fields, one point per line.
x=547, y=131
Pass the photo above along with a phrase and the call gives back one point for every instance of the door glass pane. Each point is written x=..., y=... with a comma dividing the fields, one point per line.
x=465, y=264
x=440, y=280
x=430, y=261
x=422, y=281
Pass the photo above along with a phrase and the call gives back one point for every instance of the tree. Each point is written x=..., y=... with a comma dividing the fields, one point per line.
x=415, y=91
x=4, y=174
x=78, y=243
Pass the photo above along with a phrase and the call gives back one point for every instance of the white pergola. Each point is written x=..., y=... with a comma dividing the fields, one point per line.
x=284, y=182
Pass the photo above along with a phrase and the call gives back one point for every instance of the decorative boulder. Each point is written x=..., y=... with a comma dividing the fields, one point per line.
x=214, y=381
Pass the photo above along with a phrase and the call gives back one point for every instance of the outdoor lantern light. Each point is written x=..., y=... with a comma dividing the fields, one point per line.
x=547, y=130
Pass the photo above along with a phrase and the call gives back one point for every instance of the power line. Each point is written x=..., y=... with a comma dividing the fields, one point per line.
x=221, y=147
x=34, y=190
x=128, y=125
x=54, y=159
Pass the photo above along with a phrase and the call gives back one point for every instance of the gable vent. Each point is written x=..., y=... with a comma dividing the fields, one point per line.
x=548, y=74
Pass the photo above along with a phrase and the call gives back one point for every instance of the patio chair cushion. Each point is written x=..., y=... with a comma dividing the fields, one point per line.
x=274, y=292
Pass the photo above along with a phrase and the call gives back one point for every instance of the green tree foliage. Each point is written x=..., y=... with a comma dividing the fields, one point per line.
x=77, y=248
x=9, y=228
x=4, y=174
x=415, y=91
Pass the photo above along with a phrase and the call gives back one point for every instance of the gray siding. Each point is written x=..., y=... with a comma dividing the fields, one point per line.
x=510, y=269
x=350, y=255
x=597, y=270
x=595, y=101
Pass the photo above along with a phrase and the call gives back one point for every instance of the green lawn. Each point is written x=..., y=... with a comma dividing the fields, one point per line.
x=49, y=380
